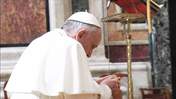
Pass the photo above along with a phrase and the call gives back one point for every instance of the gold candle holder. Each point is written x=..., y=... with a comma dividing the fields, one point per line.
x=126, y=19
x=128, y=50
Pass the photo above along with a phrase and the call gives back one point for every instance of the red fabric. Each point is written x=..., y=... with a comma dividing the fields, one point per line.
x=133, y=6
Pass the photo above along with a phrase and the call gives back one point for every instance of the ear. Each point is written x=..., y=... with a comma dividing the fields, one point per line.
x=80, y=33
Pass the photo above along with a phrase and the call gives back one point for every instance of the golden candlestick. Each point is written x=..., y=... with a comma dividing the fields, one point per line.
x=128, y=41
x=126, y=19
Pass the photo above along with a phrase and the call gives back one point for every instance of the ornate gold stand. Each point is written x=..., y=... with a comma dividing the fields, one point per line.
x=126, y=19
x=130, y=80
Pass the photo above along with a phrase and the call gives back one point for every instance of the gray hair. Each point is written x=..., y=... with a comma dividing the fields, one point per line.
x=72, y=27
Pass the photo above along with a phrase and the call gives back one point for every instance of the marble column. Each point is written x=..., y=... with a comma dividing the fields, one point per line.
x=162, y=62
x=59, y=11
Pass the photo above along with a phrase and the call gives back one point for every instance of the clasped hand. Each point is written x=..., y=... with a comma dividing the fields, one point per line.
x=113, y=81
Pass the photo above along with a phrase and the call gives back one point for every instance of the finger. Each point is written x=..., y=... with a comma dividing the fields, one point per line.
x=112, y=77
x=116, y=80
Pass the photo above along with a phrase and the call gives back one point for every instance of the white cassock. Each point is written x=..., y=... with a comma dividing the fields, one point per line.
x=51, y=64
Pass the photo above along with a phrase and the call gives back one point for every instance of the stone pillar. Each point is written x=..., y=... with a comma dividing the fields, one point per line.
x=59, y=11
x=162, y=62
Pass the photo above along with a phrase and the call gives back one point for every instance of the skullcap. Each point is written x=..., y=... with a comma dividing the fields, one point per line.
x=85, y=17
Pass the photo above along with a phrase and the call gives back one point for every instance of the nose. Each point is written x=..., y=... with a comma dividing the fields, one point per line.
x=89, y=53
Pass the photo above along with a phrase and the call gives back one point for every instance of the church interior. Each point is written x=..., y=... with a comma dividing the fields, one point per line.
x=136, y=41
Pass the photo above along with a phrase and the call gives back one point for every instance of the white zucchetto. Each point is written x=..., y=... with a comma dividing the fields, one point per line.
x=85, y=17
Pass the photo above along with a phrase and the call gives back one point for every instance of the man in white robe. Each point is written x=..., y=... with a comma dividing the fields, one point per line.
x=57, y=62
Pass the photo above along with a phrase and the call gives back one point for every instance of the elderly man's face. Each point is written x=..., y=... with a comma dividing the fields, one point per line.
x=90, y=41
